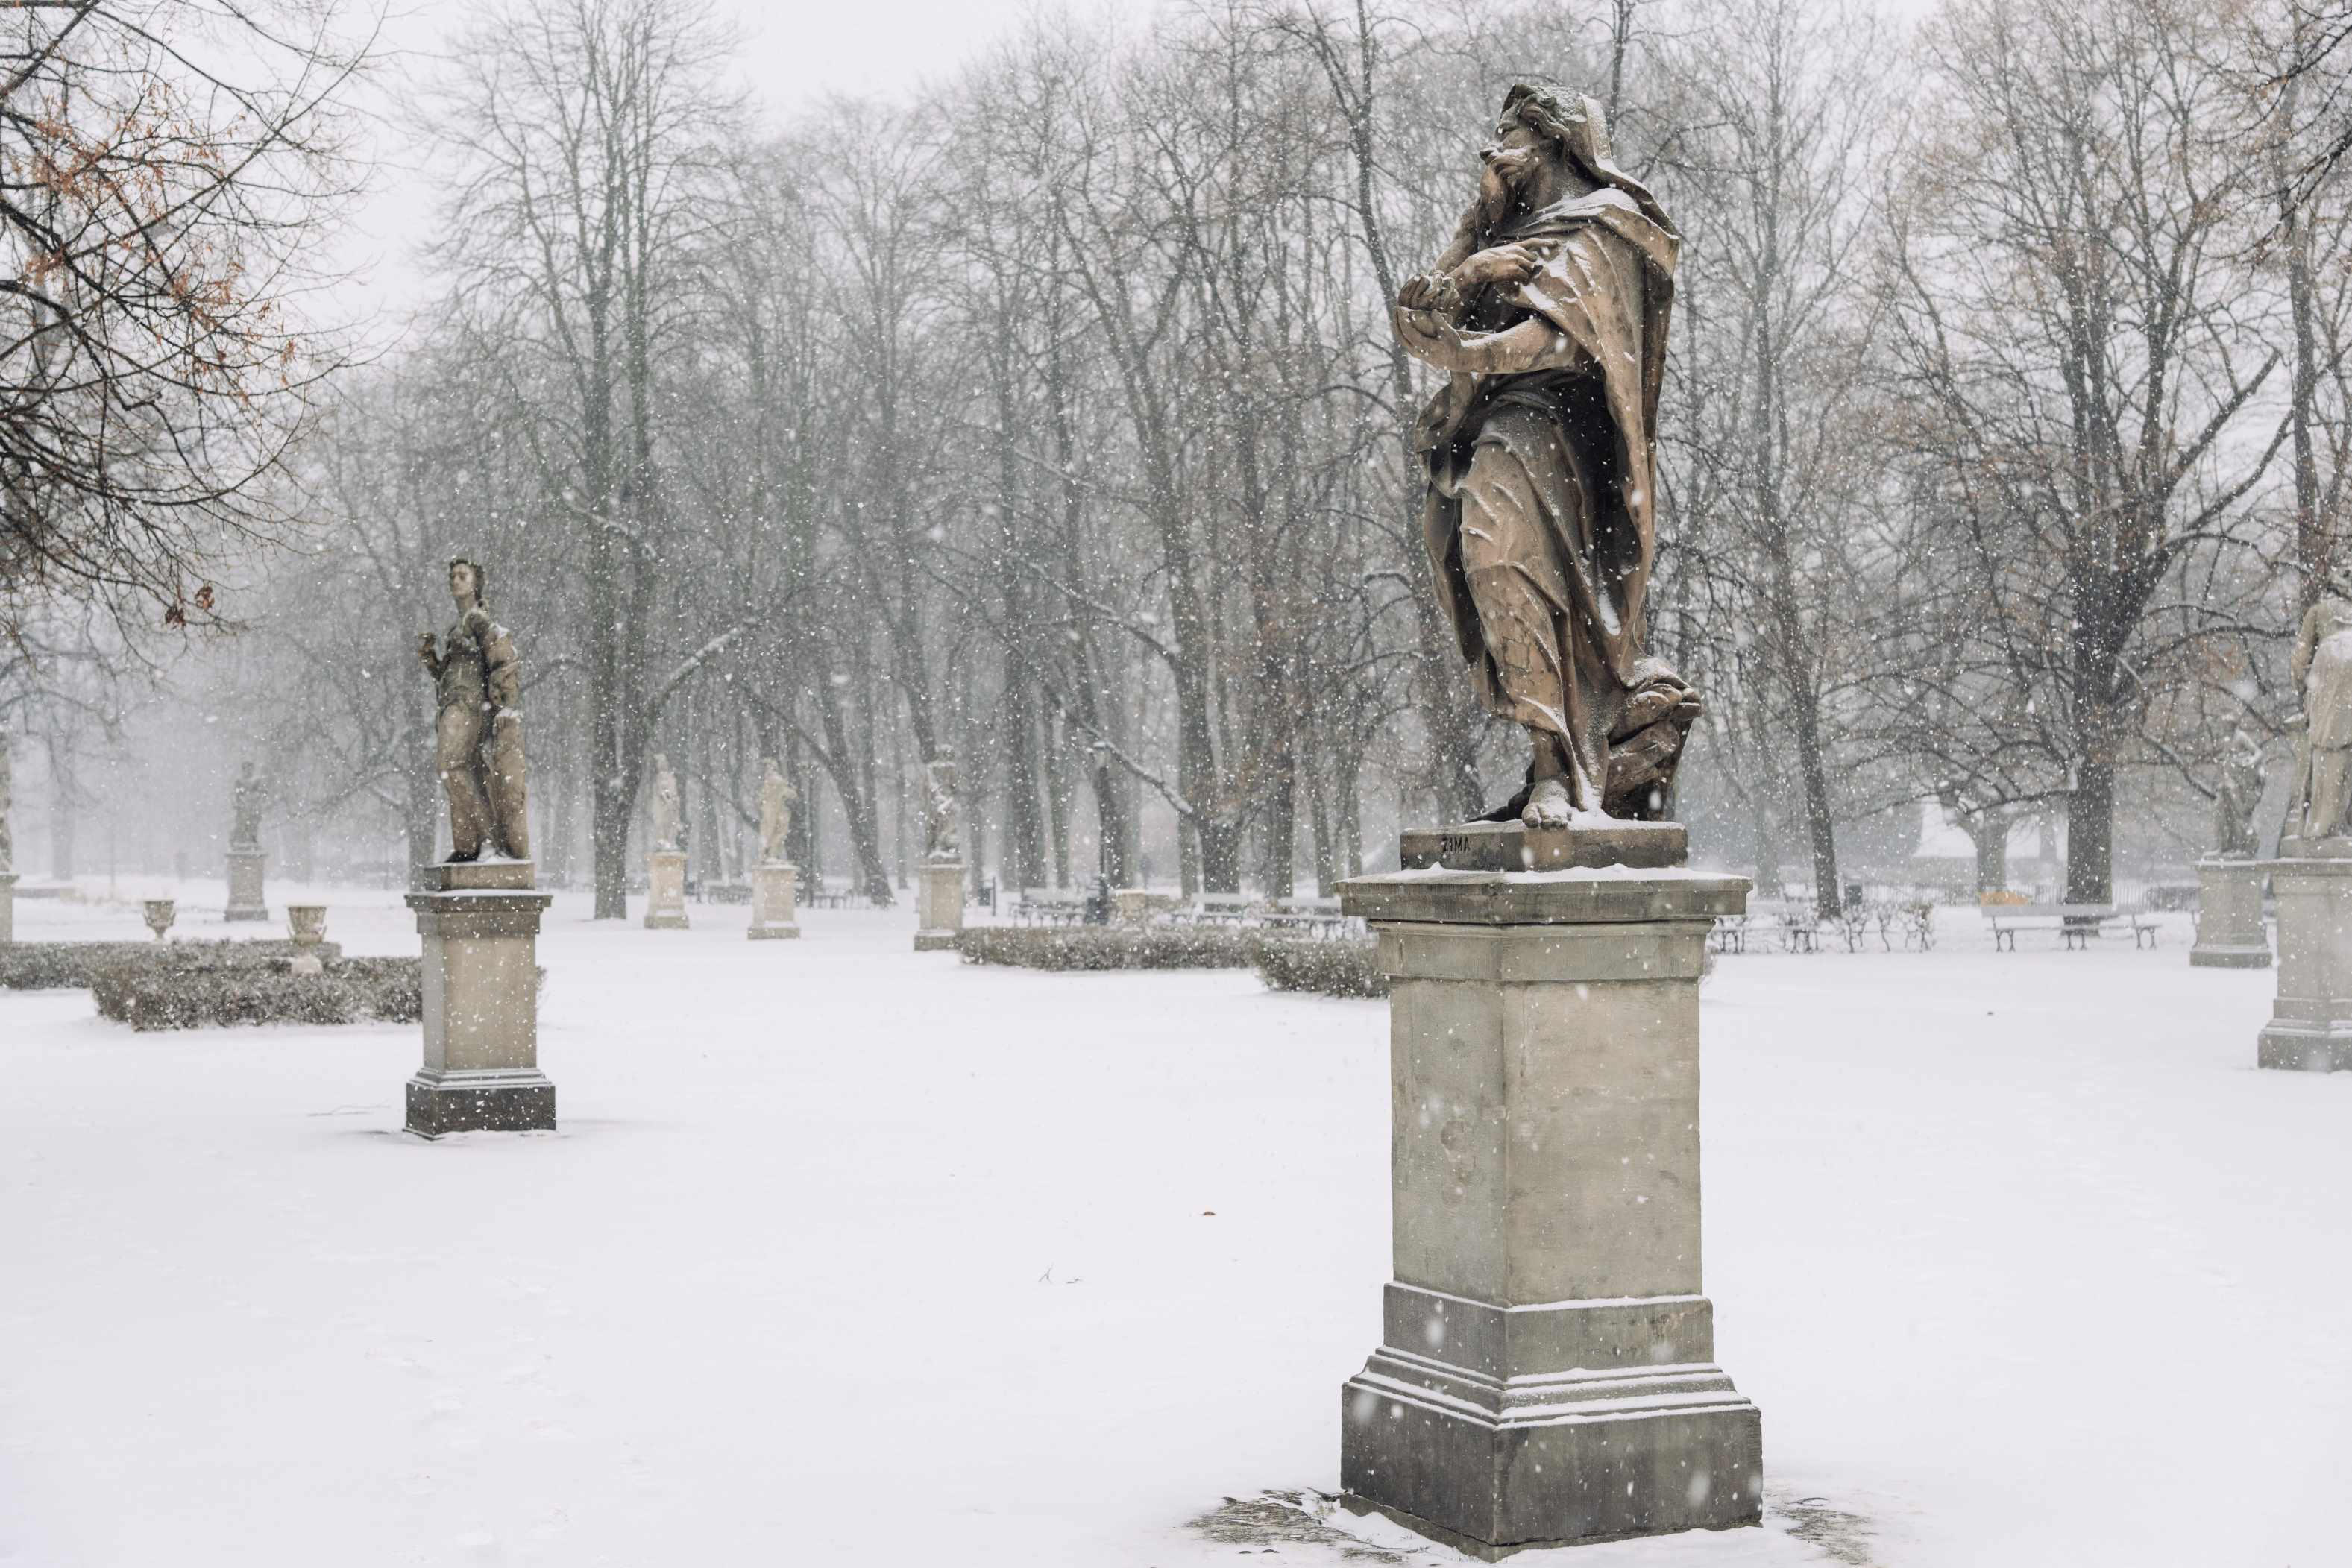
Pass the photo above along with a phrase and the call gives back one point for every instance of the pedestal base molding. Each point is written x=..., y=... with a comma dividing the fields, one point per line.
x=939, y=893
x=2310, y=1022
x=245, y=898
x=481, y=927
x=1546, y=1374
x=2230, y=930
x=489, y=1102
x=665, y=891
x=775, y=891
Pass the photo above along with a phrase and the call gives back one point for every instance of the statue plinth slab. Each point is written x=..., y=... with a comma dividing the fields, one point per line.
x=2310, y=1022
x=245, y=868
x=776, y=891
x=480, y=927
x=1513, y=846
x=478, y=876
x=2230, y=930
x=1547, y=1372
x=665, y=891
x=939, y=895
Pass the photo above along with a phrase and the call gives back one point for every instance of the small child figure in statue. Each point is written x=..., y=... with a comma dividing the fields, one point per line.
x=478, y=751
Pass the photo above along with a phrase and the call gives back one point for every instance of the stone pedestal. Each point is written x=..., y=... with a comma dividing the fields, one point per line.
x=939, y=904
x=1546, y=1374
x=2310, y=1022
x=480, y=925
x=7, y=907
x=244, y=885
x=775, y=887
x=666, y=890
x=2230, y=934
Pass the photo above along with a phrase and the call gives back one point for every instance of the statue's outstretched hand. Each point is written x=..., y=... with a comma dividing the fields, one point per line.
x=1503, y=266
x=424, y=655
x=1435, y=341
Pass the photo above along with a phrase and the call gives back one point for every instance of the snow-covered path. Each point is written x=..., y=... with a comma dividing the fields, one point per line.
x=848, y=1255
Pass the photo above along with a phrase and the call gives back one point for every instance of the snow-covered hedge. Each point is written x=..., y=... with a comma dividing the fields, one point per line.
x=155, y=990
x=69, y=966
x=1111, y=946
x=1343, y=967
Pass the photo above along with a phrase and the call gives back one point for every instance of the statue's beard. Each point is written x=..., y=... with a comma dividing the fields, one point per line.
x=1503, y=192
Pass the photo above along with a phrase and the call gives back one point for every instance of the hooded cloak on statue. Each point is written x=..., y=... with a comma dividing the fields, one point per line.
x=1543, y=476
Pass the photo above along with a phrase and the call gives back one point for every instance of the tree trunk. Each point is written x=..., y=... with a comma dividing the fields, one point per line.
x=1990, y=836
x=2090, y=834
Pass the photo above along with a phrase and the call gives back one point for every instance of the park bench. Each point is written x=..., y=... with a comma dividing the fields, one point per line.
x=1729, y=935
x=1797, y=923
x=1217, y=909
x=2076, y=924
x=1037, y=906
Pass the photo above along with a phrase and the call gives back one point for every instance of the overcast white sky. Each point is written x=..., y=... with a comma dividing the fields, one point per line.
x=794, y=51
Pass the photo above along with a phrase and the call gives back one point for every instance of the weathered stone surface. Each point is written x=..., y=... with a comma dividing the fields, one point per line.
x=1514, y=846
x=942, y=833
x=1548, y=313
x=776, y=799
x=939, y=905
x=245, y=899
x=2230, y=930
x=1546, y=1374
x=246, y=798
x=2237, y=795
x=477, y=733
x=480, y=980
x=2310, y=1022
x=439, y=1104
x=477, y=876
x=665, y=891
x=1595, y=895
x=665, y=806
x=774, y=892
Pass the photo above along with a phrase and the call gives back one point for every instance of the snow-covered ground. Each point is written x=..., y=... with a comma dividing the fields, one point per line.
x=845, y=1255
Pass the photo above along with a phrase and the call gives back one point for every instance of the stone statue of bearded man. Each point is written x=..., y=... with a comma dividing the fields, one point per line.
x=1549, y=310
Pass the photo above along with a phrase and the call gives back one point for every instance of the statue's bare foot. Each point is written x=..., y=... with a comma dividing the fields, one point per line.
x=1549, y=805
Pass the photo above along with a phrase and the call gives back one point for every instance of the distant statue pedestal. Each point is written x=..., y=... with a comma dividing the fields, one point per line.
x=480, y=925
x=2311, y=1022
x=244, y=885
x=2229, y=932
x=939, y=902
x=7, y=907
x=665, y=891
x=775, y=890
x=1546, y=1374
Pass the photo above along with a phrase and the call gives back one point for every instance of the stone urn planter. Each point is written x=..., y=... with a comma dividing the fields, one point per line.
x=307, y=924
x=160, y=912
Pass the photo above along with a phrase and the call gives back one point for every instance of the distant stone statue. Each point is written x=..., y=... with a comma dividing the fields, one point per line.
x=1550, y=312
x=478, y=680
x=2237, y=796
x=665, y=807
x=2322, y=667
x=776, y=798
x=246, y=798
x=943, y=839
